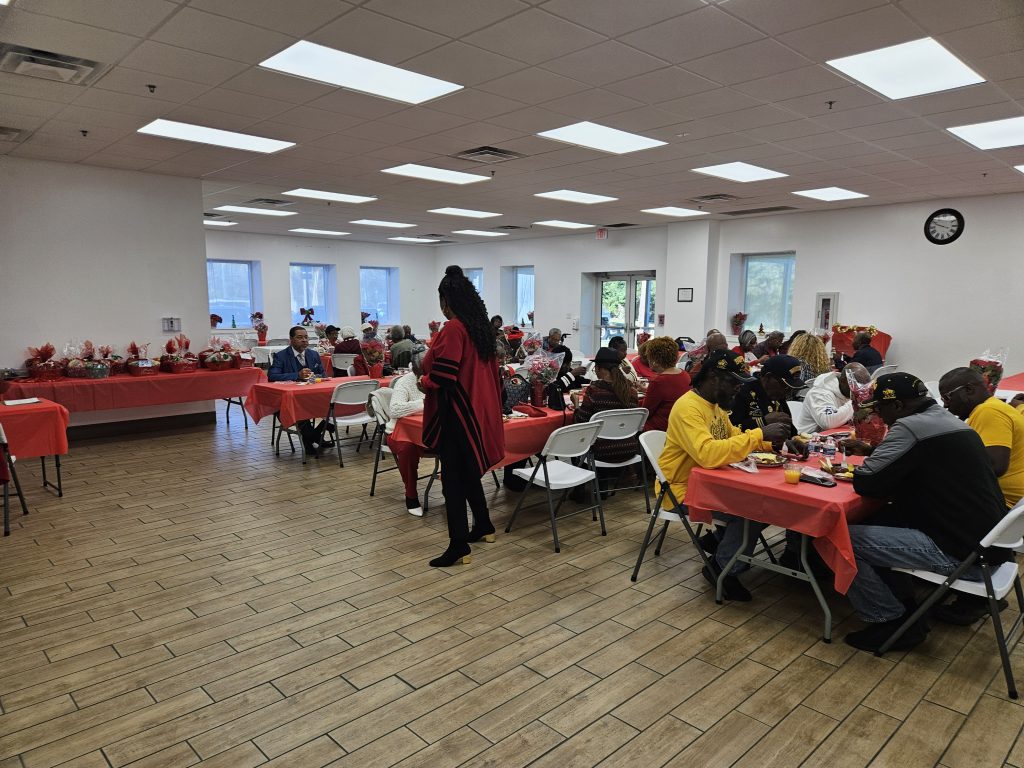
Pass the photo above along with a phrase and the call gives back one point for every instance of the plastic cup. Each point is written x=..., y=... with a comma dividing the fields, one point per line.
x=791, y=471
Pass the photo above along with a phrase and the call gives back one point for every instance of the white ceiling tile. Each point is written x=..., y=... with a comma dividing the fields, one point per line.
x=766, y=57
x=866, y=31
x=43, y=152
x=453, y=18
x=244, y=104
x=275, y=85
x=135, y=82
x=376, y=37
x=640, y=119
x=947, y=15
x=318, y=119
x=851, y=118
x=534, y=37
x=36, y=88
x=474, y=103
x=663, y=85
x=960, y=98
x=683, y=38
x=793, y=84
x=207, y=33
x=992, y=39
x=59, y=36
x=780, y=131
x=132, y=17
x=709, y=103
x=614, y=17
x=163, y=59
x=89, y=118
x=295, y=17
x=603, y=63
x=424, y=119
x=777, y=16
x=225, y=121
x=592, y=104
x=1005, y=66
x=842, y=99
x=22, y=122
x=533, y=84
x=530, y=120
x=286, y=132
x=907, y=125
x=112, y=158
x=754, y=117
x=463, y=64
x=976, y=114
x=385, y=132
x=359, y=104
x=145, y=108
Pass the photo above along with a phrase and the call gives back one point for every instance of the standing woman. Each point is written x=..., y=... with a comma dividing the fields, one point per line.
x=462, y=412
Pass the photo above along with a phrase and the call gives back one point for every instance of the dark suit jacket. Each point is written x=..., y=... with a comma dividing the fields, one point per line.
x=286, y=367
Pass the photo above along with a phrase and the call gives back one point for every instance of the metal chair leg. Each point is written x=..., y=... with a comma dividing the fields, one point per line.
x=7, y=510
x=17, y=485
x=522, y=496
x=997, y=625
x=497, y=484
x=647, y=539
x=376, y=464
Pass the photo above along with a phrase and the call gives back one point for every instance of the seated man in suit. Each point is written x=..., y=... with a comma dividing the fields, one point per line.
x=298, y=363
x=863, y=353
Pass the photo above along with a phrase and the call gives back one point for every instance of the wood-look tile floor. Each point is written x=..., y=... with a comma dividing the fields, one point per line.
x=193, y=600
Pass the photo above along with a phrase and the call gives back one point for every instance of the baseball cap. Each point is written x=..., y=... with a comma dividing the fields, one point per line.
x=728, y=361
x=365, y=327
x=607, y=358
x=890, y=387
x=785, y=367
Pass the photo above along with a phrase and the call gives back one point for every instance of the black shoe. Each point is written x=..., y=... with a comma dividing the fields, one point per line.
x=873, y=636
x=482, y=532
x=732, y=588
x=709, y=542
x=311, y=450
x=790, y=559
x=964, y=610
x=457, y=552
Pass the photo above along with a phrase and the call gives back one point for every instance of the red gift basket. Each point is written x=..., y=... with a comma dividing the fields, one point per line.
x=142, y=367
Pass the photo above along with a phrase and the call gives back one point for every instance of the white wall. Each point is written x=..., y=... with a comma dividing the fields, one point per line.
x=418, y=275
x=91, y=253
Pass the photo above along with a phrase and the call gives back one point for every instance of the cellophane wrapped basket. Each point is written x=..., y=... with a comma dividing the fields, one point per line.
x=49, y=370
x=142, y=367
x=868, y=425
x=76, y=369
x=243, y=359
x=185, y=365
x=219, y=361
x=115, y=364
x=990, y=365
x=96, y=369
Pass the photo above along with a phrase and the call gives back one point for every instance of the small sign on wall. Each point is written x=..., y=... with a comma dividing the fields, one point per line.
x=171, y=324
x=684, y=294
x=601, y=234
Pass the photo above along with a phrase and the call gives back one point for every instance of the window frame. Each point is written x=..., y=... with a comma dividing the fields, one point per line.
x=252, y=268
x=330, y=305
x=789, y=258
x=522, y=316
x=394, y=309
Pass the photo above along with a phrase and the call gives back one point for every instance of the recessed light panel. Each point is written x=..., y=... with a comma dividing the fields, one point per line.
x=830, y=194
x=328, y=65
x=478, y=233
x=1019, y=168
x=415, y=239
x=670, y=210
x=304, y=231
x=376, y=223
x=601, y=137
x=435, y=174
x=210, y=222
x=468, y=213
x=254, y=211
x=739, y=172
x=170, y=129
x=563, y=224
x=571, y=196
x=992, y=135
x=334, y=197
x=909, y=69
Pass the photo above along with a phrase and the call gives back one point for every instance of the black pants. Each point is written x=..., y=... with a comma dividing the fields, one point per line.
x=460, y=482
x=309, y=433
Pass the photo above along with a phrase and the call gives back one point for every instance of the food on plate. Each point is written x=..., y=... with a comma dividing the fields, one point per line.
x=764, y=459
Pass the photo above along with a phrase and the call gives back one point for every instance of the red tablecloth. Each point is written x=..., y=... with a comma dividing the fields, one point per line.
x=125, y=391
x=1014, y=383
x=767, y=498
x=843, y=342
x=35, y=429
x=296, y=402
x=523, y=437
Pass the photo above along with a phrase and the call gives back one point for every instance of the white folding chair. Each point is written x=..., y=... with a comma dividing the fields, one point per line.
x=570, y=442
x=995, y=585
x=933, y=390
x=342, y=361
x=5, y=456
x=796, y=410
x=351, y=370
x=351, y=393
x=381, y=399
x=882, y=370
x=623, y=424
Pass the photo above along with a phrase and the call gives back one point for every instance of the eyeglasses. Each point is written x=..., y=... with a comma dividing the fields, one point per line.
x=946, y=395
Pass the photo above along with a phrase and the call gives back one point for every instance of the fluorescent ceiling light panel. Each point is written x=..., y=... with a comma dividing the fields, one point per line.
x=171, y=129
x=376, y=223
x=328, y=65
x=210, y=222
x=478, y=233
x=334, y=197
x=435, y=174
x=571, y=196
x=467, y=212
x=415, y=239
x=601, y=137
x=304, y=231
x=256, y=211
x=992, y=135
x=830, y=194
x=1019, y=168
x=909, y=69
x=671, y=210
x=739, y=172
x=563, y=224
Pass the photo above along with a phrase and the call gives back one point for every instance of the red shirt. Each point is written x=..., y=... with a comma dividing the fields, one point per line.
x=662, y=394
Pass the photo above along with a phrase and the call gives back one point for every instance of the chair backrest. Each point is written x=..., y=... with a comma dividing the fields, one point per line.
x=796, y=409
x=933, y=390
x=620, y=423
x=340, y=361
x=883, y=369
x=3, y=436
x=572, y=441
x=1008, y=532
x=381, y=400
x=351, y=370
x=354, y=392
x=652, y=443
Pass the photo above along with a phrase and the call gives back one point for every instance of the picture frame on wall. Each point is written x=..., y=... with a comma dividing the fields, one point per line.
x=684, y=294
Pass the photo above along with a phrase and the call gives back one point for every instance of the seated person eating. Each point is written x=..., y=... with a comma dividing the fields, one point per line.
x=669, y=384
x=762, y=400
x=297, y=363
x=863, y=353
x=609, y=392
x=828, y=404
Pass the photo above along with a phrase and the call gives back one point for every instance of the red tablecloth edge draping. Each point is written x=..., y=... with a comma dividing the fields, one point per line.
x=1013, y=383
x=35, y=429
x=295, y=402
x=843, y=342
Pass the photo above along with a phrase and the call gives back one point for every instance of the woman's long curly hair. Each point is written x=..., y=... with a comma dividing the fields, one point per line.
x=466, y=304
x=620, y=385
x=809, y=349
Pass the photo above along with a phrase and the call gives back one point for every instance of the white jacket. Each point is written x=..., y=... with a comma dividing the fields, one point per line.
x=825, y=407
x=405, y=400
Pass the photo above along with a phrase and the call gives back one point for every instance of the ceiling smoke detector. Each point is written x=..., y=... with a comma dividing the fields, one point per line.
x=718, y=197
x=488, y=155
x=45, y=65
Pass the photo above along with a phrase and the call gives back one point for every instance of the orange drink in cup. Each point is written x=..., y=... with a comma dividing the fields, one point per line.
x=792, y=472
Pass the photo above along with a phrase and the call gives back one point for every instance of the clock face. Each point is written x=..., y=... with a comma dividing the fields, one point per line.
x=944, y=226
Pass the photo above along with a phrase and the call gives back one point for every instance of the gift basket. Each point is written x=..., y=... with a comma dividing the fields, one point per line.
x=177, y=358
x=138, y=363
x=868, y=425
x=221, y=360
x=41, y=365
x=990, y=365
x=373, y=356
x=115, y=363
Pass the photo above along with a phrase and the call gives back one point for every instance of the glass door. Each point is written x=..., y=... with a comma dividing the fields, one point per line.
x=627, y=306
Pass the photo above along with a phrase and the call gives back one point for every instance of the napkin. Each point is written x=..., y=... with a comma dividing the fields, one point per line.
x=25, y=401
x=529, y=410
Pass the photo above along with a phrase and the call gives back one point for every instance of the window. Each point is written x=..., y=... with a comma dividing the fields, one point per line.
x=768, y=290
x=229, y=285
x=476, y=277
x=378, y=294
x=524, y=295
x=312, y=287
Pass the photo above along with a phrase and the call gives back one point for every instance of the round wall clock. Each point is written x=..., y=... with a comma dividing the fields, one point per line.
x=944, y=226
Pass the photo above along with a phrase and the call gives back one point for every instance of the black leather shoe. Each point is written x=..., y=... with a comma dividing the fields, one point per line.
x=709, y=542
x=732, y=588
x=873, y=636
x=964, y=610
x=457, y=552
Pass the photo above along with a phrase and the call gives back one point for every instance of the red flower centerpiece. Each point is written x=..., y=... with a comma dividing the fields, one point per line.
x=41, y=365
x=737, y=321
x=307, y=316
x=990, y=366
x=542, y=370
x=373, y=356
x=260, y=327
x=215, y=320
x=642, y=338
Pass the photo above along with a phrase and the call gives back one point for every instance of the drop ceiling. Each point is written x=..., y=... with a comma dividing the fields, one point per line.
x=720, y=81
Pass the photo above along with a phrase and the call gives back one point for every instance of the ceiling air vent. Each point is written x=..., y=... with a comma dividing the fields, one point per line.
x=718, y=197
x=752, y=211
x=270, y=202
x=214, y=216
x=12, y=134
x=488, y=155
x=30, y=62
x=618, y=226
x=510, y=227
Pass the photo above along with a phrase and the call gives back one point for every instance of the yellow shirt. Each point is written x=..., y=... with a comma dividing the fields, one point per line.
x=1002, y=425
x=701, y=435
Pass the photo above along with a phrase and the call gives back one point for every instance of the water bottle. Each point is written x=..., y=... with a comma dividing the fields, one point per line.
x=830, y=449
x=813, y=447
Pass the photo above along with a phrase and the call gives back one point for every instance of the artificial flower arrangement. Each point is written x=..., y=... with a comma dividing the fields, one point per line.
x=177, y=358
x=532, y=344
x=215, y=320
x=375, y=324
x=373, y=352
x=82, y=362
x=434, y=326
x=363, y=316
x=258, y=324
x=139, y=363
x=114, y=362
x=642, y=338
x=737, y=321
x=41, y=365
x=321, y=329
x=543, y=367
x=990, y=365
x=529, y=316
x=307, y=316
x=870, y=330
x=868, y=425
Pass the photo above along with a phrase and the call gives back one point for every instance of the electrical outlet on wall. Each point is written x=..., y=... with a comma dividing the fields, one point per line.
x=171, y=324
x=575, y=323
